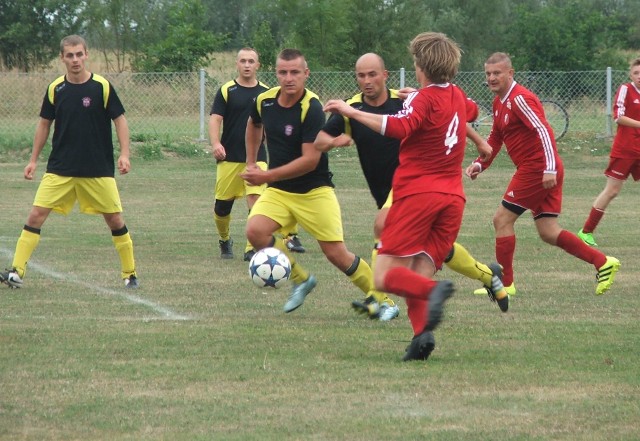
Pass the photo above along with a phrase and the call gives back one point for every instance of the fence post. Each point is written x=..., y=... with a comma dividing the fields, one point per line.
x=608, y=110
x=401, y=77
x=202, y=104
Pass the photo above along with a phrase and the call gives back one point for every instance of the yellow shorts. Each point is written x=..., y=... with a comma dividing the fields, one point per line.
x=389, y=201
x=94, y=195
x=229, y=184
x=317, y=211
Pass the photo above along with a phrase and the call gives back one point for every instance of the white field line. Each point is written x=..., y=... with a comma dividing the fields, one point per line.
x=166, y=313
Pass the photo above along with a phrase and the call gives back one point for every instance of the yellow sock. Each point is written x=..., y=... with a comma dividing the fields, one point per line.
x=361, y=275
x=380, y=296
x=26, y=245
x=124, y=247
x=298, y=273
x=463, y=262
x=248, y=247
x=222, y=224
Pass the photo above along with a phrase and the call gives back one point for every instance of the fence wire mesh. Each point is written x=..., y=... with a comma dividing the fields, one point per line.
x=175, y=106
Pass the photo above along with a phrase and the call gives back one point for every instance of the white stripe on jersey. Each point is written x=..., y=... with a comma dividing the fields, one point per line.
x=622, y=95
x=545, y=136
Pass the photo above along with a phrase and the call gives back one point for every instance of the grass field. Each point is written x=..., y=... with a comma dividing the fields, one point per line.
x=198, y=353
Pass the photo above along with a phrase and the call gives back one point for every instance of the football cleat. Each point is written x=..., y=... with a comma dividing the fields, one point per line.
x=293, y=244
x=368, y=306
x=606, y=274
x=497, y=293
x=511, y=290
x=299, y=292
x=421, y=347
x=131, y=282
x=226, y=248
x=438, y=296
x=11, y=278
x=248, y=255
x=388, y=312
x=587, y=238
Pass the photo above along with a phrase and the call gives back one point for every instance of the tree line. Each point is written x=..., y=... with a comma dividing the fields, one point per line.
x=182, y=35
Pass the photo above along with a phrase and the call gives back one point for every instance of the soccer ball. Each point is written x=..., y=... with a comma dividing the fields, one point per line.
x=270, y=268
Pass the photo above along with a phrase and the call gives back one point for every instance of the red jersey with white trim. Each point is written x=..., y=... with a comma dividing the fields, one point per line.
x=519, y=123
x=433, y=129
x=626, y=144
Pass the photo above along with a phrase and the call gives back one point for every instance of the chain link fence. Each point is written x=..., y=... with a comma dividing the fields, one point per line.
x=175, y=107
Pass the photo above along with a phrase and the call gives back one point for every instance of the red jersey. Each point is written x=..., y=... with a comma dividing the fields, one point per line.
x=433, y=129
x=519, y=123
x=626, y=144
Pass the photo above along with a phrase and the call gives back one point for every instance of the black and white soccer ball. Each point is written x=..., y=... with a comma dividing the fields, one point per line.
x=269, y=268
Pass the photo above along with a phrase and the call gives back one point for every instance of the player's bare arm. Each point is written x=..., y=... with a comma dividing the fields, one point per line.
x=39, y=139
x=629, y=122
x=217, y=149
x=371, y=120
x=253, y=136
x=484, y=149
x=122, y=132
x=325, y=142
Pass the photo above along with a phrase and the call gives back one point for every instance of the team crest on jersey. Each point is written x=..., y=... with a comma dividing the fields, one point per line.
x=509, y=104
x=506, y=119
x=86, y=101
x=288, y=129
x=636, y=101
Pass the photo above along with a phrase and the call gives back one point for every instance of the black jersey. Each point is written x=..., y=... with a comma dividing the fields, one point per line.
x=287, y=128
x=82, y=144
x=378, y=154
x=233, y=103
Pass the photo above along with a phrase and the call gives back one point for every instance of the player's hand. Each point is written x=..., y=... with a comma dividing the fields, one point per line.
x=343, y=140
x=405, y=92
x=549, y=180
x=124, y=165
x=30, y=170
x=219, y=152
x=473, y=170
x=255, y=175
x=337, y=106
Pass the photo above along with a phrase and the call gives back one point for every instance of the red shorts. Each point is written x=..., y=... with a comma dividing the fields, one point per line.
x=422, y=223
x=525, y=190
x=620, y=169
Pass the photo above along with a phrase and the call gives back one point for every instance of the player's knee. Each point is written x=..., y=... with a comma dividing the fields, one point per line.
x=223, y=208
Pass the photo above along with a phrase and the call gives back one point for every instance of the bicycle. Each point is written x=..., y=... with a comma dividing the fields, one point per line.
x=557, y=117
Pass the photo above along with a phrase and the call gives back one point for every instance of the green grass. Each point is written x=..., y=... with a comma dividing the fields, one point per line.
x=198, y=353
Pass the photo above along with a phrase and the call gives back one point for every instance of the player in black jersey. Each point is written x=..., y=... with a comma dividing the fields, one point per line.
x=80, y=167
x=227, y=127
x=299, y=181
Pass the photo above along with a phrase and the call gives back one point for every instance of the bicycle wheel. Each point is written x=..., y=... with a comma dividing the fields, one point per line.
x=557, y=117
x=483, y=123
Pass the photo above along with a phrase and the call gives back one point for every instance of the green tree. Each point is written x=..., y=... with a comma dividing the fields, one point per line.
x=186, y=44
x=30, y=31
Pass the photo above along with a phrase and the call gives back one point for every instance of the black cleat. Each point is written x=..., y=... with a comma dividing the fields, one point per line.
x=226, y=249
x=437, y=298
x=248, y=255
x=293, y=244
x=421, y=347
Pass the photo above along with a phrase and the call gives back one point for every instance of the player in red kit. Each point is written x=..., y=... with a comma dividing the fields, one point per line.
x=624, y=159
x=519, y=123
x=428, y=198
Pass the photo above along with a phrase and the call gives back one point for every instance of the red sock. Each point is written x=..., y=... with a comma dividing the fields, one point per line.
x=406, y=283
x=505, y=249
x=417, y=311
x=415, y=289
x=576, y=247
x=593, y=220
